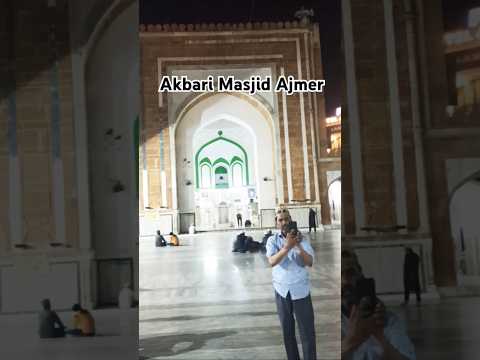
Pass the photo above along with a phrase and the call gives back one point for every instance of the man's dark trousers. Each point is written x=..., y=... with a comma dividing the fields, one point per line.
x=303, y=310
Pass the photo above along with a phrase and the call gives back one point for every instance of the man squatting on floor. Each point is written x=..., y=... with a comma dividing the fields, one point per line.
x=289, y=253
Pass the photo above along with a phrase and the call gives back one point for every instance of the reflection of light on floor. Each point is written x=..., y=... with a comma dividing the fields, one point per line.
x=210, y=264
x=181, y=346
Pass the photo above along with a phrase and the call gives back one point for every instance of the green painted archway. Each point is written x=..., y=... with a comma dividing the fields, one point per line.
x=219, y=138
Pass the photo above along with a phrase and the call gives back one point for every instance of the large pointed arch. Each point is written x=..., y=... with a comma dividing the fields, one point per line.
x=220, y=138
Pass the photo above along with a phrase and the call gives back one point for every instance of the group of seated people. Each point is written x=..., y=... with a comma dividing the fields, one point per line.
x=160, y=240
x=244, y=243
x=51, y=326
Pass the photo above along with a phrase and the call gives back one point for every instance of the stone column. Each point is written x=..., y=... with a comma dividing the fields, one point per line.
x=353, y=118
x=82, y=183
x=395, y=117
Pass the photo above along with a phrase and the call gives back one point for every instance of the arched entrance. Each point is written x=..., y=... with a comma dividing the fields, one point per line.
x=464, y=208
x=335, y=200
x=224, y=149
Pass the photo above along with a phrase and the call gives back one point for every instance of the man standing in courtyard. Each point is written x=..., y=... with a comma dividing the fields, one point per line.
x=411, y=278
x=312, y=220
x=239, y=220
x=290, y=254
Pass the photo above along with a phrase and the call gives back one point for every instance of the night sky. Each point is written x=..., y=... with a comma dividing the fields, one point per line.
x=327, y=14
x=456, y=13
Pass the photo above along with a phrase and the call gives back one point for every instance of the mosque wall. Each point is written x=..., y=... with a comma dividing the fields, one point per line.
x=397, y=136
x=280, y=48
x=111, y=123
x=44, y=241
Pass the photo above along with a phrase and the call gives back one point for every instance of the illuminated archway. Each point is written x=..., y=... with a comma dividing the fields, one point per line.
x=222, y=132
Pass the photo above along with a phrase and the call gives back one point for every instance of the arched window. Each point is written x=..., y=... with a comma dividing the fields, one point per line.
x=237, y=174
x=221, y=178
x=206, y=177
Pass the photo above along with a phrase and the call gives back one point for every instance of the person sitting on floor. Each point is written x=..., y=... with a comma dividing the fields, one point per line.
x=50, y=325
x=160, y=240
x=174, y=240
x=265, y=238
x=83, y=322
x=252, y=245
x=240, y=243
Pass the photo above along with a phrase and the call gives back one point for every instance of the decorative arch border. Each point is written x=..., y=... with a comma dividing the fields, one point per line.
x=206, y=160
x=221, y=165
x=339, y=178
x=235, y=159
x=465, y=180
x=219, y=138
x=269, y=114
x=256, y=100
x=94, y=32
x=221, y=160
x=232, y=167
x=209, y=167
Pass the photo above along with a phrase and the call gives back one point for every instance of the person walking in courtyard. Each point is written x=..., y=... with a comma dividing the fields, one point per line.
x=239, y=220
x=411, y=280
x=312, y=220
x=289, y=254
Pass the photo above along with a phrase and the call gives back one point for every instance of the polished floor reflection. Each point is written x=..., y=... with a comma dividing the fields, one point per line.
x=446, y=329
x=201, y=301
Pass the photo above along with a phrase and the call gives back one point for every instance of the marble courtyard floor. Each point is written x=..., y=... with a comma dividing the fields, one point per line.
x=201, y=301
x=444, y=329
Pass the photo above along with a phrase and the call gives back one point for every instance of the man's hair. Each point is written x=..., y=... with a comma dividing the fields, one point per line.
x=76, y=307
x=158, y=232
x=349, y=260
x=282, y=210
x=46, y=304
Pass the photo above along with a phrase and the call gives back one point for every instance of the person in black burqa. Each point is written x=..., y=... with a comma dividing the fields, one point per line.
x=239, y=220
x=312, y=220
x=239, y=245
x=244, y=243
x=411, y=278
x=50, y=325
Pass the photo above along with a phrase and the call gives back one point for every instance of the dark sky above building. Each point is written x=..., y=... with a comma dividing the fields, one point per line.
x=456, y=13
x=327, y=14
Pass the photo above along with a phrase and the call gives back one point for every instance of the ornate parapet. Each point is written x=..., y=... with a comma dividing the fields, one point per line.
x=201, y=27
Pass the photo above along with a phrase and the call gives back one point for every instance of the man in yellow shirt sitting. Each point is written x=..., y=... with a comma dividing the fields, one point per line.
x=83, y=322
x=174, y=240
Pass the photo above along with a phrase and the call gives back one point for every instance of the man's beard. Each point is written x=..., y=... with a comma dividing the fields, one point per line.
x=348, y=296
x=284, y=229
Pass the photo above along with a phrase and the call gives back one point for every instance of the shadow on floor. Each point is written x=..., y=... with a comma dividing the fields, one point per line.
x=190, y=317
x=168, y=345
